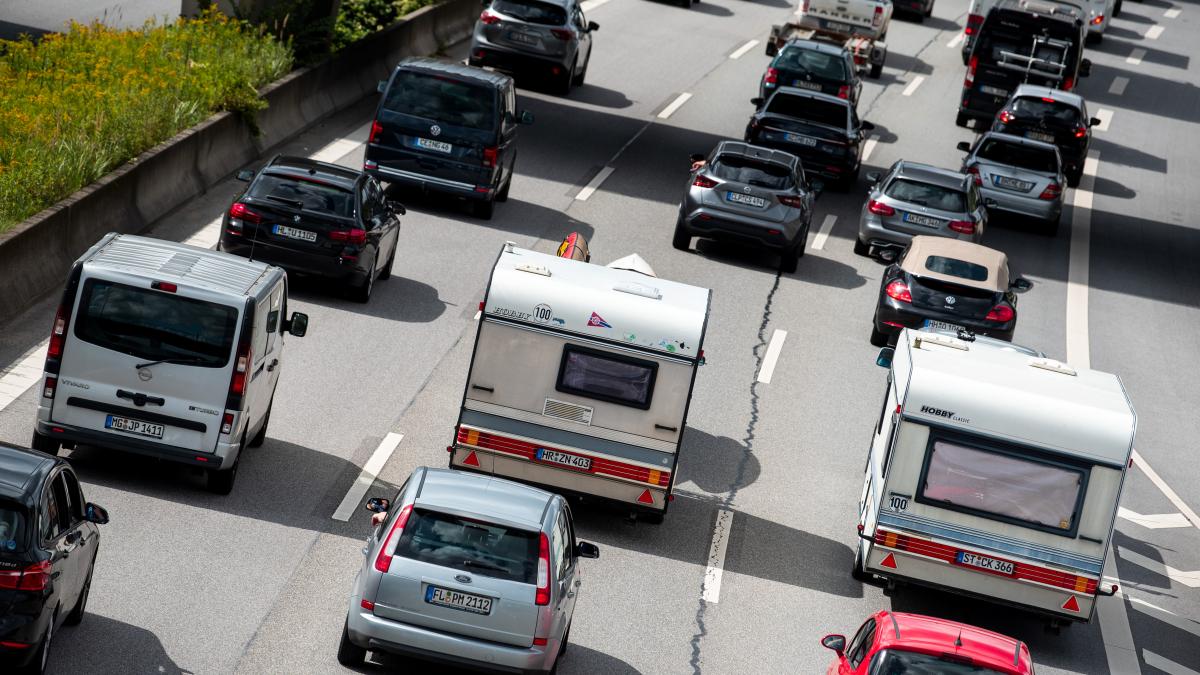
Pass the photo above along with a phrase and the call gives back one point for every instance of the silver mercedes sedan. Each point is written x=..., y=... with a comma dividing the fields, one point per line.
x=1017, y=175
x=913, y=199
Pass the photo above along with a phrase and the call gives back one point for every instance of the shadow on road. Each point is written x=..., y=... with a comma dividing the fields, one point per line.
x=104, y=646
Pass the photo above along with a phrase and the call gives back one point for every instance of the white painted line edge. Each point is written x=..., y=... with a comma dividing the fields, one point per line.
x=1077, y=266
x=674, y=105
x=1154, y=521
x=868, y=148
x=1105, y=116
x=716, y=557
x=1172, y=13
x=589, y=5
x=956, y=40
x=594, y=184
x=1166, y=665
x=737, y=54
x=1153, y=32
x=772, y=357
x=1135, y=57
x=1119, y=649
x=912, y=86
x=823, y=233
x=18, y=379
x=1166, y=616
x=1118, y=85
x=1141, y=463
x=370, y=470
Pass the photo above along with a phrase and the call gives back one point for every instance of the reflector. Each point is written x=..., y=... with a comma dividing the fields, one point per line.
x=889, y=561
x=1071, y=605
x=471, y=460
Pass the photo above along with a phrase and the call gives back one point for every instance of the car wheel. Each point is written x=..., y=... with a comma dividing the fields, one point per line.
x=861, y=247
x=45, y=444
x=1073, y=178
x=686, y=4
x=857, y=572
x=220, y=481
x=76, y=615
x=1094, y=38
x=876, y=71
x=564, y=84
x=37, y=665
x=847, y=183
x=1052, y=226
x=484, y=209
x=582, y=73
x=386, y=272
x=350, y=654
x=961, y=120
x=261, y=436
x=362, y=292
x=929, y=12
x=1117, y=9
x=682, y=237
x=502, y=195
x=878, y=337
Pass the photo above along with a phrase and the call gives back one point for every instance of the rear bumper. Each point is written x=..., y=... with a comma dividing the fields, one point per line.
x=19, y=628
x=713, y=224
x=1047, y=210
x=332, y=267
x=484, y=53
x=429, y=183
x=872, y=231
x=222, y=458
x=836, y=168
x=890, y=312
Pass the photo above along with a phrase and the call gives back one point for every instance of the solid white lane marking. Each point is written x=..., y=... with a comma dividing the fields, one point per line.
x=1105, y=117
x=1154, y=32
x=26, y=373
x=337, y=149
x=868, y=148
x=352, y=500
x=823, y=233
x=589, y=5
x=674, y=105
x=594, y=184
x=1166, y=665
x=912, y=86
x=1118, y=85
x=478, y=313
x=1135, y=57
x=208, y=236
x=1172, y=13
x=1077, y=267
x=1162, y=486
x=716, y=557
x=1154, y=521
x=956, y=40
x=772, y=357
x=1189, y=579
x=1119, y=649
x=1166, y=616
x=737, y=54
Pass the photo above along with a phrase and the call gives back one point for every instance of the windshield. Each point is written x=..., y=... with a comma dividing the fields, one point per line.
x=898, y=662
x=927, y=194
x=442, y=99
x=532, y=11
x=818, y=64
x=810, y=109
x=751, y=172
x=470, y=545
x=1042, y=160
x=1054, y=112
x=12, y=528
x=305, y=194
x=155, y=325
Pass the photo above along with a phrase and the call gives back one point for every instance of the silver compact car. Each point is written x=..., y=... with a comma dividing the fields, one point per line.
x=1017, y=175
x=751, y=194
x=467, y=570
x=546, y=37
x=913, y=199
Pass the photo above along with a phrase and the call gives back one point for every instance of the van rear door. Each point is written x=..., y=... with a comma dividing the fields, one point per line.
x=148, y=361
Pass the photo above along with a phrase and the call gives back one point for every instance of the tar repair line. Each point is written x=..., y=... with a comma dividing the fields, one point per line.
x=773, y=350
x=1154, y=32
x=1118, y=85
x=674, y=105
x=912, y=86
x=823, y=233
x=367, y=477
x=1135, y=57
x=743, y=49
x=716, y=557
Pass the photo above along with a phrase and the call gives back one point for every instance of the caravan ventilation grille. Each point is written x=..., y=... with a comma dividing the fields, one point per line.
x=572, y=412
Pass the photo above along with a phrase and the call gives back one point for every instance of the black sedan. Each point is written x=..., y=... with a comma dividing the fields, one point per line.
x=947, y=284
x=1051, y=116
x=815, y=66
x=822, y=130
x=48, y=543
x=315, y=218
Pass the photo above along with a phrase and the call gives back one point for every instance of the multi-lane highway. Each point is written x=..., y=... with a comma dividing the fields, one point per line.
x=752, y=565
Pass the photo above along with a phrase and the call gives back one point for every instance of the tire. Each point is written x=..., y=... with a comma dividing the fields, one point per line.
x=261, y=436
x=1074, y=178
x=45, y=444
x=857, y=572
x=220, y=481
x=362, y=292
x=1094, y=38
x=861, y=247
x=789, y=258
x=876, y=71
x=386, y=272
x=682, y=238
x=961, y=120
x=846, y=184
x=1051, y=229
x=76, y=615
x=929, y=12
x=686, y=4
x=578, y=82
x=502, y=195
x=878, y=337
x=652, y=517
x=483, y=209
x=563, y=86
x=350, y=654
x=37, y=666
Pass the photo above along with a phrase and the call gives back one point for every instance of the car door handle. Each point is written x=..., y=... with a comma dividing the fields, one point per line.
x=271, y=366
x=570, y=594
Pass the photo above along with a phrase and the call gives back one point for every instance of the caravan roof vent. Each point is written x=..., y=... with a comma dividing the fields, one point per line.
x=939, y=339
x=1053, y=366
x=534, y=269
x=639, y=289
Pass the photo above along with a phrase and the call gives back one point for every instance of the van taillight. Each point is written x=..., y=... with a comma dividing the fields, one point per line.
x=58, y=334
x=490, y=155
x=973, y=23
x=543, y=570
x=384, y=560
x=49, y=387
x=376, y=130
x=227, y=423
x=32, y=578
x=1068, y=84
x=970, y=78
x=237, y=386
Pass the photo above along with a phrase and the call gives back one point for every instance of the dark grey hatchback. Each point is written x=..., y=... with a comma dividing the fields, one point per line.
x=447, y=128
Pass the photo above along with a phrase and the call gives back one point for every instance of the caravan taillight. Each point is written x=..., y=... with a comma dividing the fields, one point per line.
x=878, y=18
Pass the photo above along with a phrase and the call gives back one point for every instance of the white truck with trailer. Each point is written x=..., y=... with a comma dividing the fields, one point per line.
x=859, y=25
x=581, y=378
x=995, y=473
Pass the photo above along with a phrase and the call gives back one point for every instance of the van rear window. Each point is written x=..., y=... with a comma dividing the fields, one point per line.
x=1002, y=485
x=155, y=325
x=442, y=99
x=470, y=545
x=607, y=376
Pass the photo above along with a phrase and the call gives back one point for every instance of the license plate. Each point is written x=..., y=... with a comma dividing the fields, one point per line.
x=805, y=84
x=1038, y=136
x=985, y=563
x=745, y=199
x=942, y=325
x=838, y=27
x=994, y=91
x=522, y=38
x=1011, y=183
x=467, y=602
x=801, y=140
x=922, y=220
x=293, y=233
x=564, y=459
x=133, y=426
x=436, y=146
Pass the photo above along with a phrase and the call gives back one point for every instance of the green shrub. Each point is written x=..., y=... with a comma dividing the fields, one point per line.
x=359, y=18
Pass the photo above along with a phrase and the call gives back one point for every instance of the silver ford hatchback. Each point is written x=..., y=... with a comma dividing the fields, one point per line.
x=467, y=570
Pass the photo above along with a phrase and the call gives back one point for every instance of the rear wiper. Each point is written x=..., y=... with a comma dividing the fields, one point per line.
x=284, y=200
x=181, y=360
x=483, y=565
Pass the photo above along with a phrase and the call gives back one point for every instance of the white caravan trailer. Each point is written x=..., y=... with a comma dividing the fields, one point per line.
x=581, y=378
x=994, y=472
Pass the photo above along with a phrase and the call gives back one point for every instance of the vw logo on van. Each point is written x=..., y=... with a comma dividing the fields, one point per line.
x=144, y=374
x=435, y=130
x=462, y=578
x=950, y=299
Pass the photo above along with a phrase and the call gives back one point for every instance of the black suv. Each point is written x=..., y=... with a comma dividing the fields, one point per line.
x=48, y=545
x=448, y=128
x=1021, y=42
x=1051, y=116
x=813, y=65
x=822, y=130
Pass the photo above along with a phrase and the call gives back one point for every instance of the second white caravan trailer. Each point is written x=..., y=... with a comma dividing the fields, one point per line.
x=581, y=378
x=994, y=472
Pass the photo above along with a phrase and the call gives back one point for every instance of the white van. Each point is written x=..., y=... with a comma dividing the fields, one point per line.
x=581, y=377
x=167, y=350
x=994, y=472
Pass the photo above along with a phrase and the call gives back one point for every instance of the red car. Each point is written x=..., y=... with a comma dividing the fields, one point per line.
x=894, y=643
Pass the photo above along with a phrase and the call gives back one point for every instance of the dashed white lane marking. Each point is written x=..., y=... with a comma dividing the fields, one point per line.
x=1166, y=616
x=716, y=557
x=737, y=54
x=1162, y=486
x=1189, y=579
x=674, y=105
x=1105, y=117
x=868, y=148
x=1153, y=32
x=366, y=478
x=1118, y=85
x=772, y=357
x=26, y=373
x=1119, y=649
x=956, y=40
x=912, y=86
x=594, y=184
x=208, y=236
x=478, y=313
x=1172, y=13
x=338, y=149
x=1166, y=665
x=589, y=5
x=823, y=233
x=1077, y=267
x=1135, y=57
x=1154, y=521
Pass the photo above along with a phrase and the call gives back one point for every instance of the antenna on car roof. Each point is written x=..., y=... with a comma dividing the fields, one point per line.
x=958, y=640
x=253, y=241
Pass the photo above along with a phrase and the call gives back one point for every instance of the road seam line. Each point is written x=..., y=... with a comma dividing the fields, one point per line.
x=773, y=350
x=912, y=86
x=1135, y=57
x=716, y=556
x=1118, y=85
x=594, y=184
x=740, y=51
x=674, y=105
x=823, y=233
x=366, y=477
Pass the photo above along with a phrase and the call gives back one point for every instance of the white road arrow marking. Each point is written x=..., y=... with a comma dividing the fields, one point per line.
x=1166, y=616
x=1166, y=665
x=1189, y=579
x=1156, y=521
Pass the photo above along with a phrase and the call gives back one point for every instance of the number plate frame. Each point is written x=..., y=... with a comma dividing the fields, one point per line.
x=924, y=221
x=436, y=146
x=132, y=426
x=523, y=38
x=1011, y=183
x=748, y=200
x=801, y=140
x=563, y=459
x=1039, y=136
x=294, y=233
x=934, y=323
x=805, y=84
x=985, y=563
x=434, y=596
x=994, y=91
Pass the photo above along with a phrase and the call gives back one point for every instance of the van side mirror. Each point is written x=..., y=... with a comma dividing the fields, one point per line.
x=245, y=175
x=297, y=325
x=377, y=504
x=585, y=550
x=95, y=514
x=835, y=642
x=381, y=87
x=757, y=101
x=592, y=25
x=964, y=146
x=1085, y=67
x=526, y=117
x=1020, y=285
x=884, y=360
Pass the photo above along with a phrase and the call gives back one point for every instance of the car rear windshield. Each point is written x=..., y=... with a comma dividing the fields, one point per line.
x=12, y=528
x=898, y=662
x=532, y=11
x=301, y=193
x=1042, y=160
x=470, y=546
x=810, y=109
x=1053, y=112
x=752, y=172
x=606, y=376
x=442, y=99
x=927, y=194
x=155, y=325
x=956, y=268
x=818, y=64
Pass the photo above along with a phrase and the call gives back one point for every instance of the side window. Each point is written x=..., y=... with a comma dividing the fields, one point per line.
x=366, y=204
x=562, y=560
x=276, y=305
x=580, y=23
x=259, y=344
x=54, y=510
x=75, y=495
x=861, y=644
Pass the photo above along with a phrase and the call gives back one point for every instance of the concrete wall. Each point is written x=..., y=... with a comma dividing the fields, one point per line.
x=35, y=255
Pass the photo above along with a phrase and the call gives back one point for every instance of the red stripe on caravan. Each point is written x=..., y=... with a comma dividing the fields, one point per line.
x=528, y=451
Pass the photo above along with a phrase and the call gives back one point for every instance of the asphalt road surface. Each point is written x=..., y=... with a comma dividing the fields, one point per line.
x=36, y=17
x=258, y=581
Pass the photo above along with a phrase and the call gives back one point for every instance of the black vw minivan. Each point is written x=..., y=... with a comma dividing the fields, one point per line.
x=448, y=128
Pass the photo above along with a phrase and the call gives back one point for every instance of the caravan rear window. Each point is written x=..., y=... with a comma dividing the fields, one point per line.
x=607, y=376
x=1002, y=485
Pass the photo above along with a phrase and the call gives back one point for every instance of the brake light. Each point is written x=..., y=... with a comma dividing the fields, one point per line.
x=969, y=80
x=771, y=78
x=704, y=182
x=490, y=155
x=164, y=286
x=32, y=578
x=543, y=570
x=973, y=23
x=353, y=236
x=1068, y=84
x=844, y=92
x=540, y=642
x=974, y=171
x=1080, y=132
x=562, y=33
x=880, y=208
x=1098, y=19
x=963, y=226
x=878, y=18
x=488, y=18
x=58, y=334
x=1006, y=116
x=384, y=560
x=898, y=290
x=794, y=202
x=241, y=212
x=49, y=387
x=377, y=129
x=1052, y=191
x=1001, y=313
